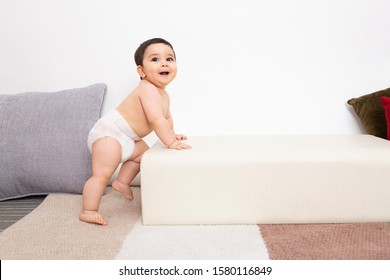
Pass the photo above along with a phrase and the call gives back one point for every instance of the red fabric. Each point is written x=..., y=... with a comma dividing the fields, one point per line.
x=386, y=105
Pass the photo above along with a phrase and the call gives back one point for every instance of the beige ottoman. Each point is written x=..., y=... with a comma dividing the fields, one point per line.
x=267, y=180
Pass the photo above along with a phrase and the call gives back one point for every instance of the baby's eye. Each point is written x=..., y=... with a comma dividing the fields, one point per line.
x=170, y=59
x=155, y=59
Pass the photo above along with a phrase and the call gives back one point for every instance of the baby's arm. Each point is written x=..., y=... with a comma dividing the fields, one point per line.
x=151, y=101
x=170, y=121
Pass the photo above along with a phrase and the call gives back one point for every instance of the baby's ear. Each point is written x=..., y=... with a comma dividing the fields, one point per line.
x=140, y=71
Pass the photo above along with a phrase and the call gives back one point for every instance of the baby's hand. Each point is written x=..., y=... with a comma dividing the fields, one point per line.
x=179, y=145
x=180, y=137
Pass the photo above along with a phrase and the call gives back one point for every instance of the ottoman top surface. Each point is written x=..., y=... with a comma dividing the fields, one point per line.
x=275, y=147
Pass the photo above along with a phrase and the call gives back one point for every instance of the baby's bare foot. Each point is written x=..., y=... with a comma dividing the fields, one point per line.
x=92, y=217
x=124, y=189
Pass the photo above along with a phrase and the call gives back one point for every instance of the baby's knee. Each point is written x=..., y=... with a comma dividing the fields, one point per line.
x=102, y=177
x=141, y=146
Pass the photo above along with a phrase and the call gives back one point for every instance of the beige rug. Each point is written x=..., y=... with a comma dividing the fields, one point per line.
x=53, y=231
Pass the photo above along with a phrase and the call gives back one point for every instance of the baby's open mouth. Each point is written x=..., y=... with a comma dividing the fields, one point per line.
x=164, y=73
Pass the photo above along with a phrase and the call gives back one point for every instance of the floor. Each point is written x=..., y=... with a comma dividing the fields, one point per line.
x=13, y=210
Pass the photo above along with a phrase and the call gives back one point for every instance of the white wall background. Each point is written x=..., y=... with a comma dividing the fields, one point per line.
x=245, y=67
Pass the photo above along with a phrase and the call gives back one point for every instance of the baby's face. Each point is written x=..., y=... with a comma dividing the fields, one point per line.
x=159, y=65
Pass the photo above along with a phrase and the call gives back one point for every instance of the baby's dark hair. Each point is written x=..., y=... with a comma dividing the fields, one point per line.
x=140, y=52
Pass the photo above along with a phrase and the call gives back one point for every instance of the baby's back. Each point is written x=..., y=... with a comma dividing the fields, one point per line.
x=132, y=110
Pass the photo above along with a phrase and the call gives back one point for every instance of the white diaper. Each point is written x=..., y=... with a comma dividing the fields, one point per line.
x=115, y=126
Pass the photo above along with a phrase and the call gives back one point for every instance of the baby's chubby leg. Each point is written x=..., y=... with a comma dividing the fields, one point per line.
x=121, y=184
x=106, y=156
x=129, y=170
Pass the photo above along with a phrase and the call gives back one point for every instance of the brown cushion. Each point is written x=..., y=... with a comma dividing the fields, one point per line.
x=371, y=113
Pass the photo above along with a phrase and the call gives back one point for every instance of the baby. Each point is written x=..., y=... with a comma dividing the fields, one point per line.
x=116, y=137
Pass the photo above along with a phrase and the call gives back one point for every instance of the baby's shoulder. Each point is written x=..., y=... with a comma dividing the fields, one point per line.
x=146, y=90
x=147, y=86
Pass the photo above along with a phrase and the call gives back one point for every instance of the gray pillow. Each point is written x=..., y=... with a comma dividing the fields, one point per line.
x=43, y=140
